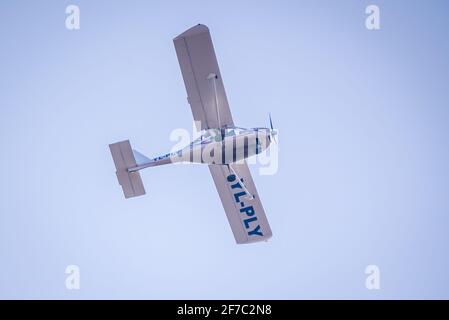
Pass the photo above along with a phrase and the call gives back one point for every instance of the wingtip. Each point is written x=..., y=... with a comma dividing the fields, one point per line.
x=198, y=29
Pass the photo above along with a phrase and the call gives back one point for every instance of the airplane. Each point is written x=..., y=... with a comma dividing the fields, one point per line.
x=221, y=145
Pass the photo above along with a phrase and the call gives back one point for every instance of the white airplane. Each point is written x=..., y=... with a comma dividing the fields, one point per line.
x=221, y=145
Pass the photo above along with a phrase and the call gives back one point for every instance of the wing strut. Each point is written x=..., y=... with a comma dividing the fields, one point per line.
x=242, y=183
x=213, y=77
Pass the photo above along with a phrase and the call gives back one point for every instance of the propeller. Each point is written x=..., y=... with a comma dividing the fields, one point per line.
x=273, y=132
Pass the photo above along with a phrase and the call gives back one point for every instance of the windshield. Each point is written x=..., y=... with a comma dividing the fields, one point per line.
x=215, y=134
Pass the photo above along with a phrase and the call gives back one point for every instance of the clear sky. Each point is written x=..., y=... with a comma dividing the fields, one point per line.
x=363, y=173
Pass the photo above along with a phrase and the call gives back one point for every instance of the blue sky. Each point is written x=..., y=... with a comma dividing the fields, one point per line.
x=363, y=163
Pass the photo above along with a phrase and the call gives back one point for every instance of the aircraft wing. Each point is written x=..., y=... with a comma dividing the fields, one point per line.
x=246, y=216
x=197, y=60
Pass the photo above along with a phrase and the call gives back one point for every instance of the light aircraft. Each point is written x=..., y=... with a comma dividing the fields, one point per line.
x=221, y=145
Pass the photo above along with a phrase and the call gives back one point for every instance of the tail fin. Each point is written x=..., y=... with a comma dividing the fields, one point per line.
x=140, y=158
x=124, y=159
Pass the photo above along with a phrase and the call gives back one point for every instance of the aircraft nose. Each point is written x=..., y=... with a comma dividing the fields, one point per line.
x=265, y=135
x=272, y=135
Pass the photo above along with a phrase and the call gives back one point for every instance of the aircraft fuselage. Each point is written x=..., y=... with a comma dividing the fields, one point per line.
x=218, y=146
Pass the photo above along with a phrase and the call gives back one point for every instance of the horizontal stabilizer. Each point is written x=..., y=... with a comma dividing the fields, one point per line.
x=124, y=159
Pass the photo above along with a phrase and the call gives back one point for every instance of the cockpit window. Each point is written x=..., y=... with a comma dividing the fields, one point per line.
x=213, y=134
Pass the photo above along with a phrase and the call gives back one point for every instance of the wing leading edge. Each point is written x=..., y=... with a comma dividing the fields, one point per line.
x=197, y=60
